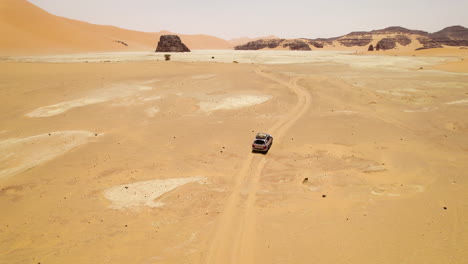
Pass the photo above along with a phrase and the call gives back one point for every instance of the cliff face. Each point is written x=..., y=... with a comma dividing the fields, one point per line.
x=354, y=39
x=171, y=43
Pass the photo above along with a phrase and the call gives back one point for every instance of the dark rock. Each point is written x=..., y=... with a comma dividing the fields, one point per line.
x=451, y=36
x=402, y=40
x=121, y=42
x=386, y=44
x=260, y=44
x=171, y=43
x=353, y=39
x=371, y=48
x=428, y=43
x=393, y=30
x=315, y=43
x=296, y=45
x=305, y=180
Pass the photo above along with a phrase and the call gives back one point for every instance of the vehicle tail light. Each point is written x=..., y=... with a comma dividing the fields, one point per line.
x=253, y=146
x=264, y=147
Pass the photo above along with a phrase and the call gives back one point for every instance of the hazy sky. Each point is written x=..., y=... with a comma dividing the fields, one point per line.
x=254, y=18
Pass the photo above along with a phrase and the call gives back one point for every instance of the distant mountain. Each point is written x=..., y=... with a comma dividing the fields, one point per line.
x=244, y=40
x=451, y=36
x=382, y=39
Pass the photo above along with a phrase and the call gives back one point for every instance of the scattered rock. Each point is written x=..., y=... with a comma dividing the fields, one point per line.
x=171, y=43
x=121, y=42
x=445, y=208
x=305, y=180
x=324, y=195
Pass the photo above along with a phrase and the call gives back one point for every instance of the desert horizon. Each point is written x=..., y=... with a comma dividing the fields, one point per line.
x=113, y=153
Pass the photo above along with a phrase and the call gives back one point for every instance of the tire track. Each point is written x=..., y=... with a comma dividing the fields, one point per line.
x=234, y=237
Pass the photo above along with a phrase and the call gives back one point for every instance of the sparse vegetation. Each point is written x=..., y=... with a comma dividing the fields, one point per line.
x=167, y=57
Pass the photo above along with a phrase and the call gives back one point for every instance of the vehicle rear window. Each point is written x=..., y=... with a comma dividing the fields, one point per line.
x=259, y=142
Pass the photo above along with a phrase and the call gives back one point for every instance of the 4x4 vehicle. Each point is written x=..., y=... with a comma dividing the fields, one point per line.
x=262, y=142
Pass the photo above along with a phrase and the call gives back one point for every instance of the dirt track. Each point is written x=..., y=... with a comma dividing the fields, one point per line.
x=235, y=230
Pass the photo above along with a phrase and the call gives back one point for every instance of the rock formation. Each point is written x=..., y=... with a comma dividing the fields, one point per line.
x=260, y=44
x=387, y=38
x=296, y=45
x=451, y=36
x=428, y=43
x=371, y=48
x=355, y=39
x=386, y=44
x=402, y=40
x=171, y=43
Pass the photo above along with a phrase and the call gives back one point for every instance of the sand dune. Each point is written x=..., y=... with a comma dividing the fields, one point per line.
x=27, y=29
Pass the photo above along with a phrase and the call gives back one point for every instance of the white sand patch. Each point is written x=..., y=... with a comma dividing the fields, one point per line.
x=100, y=96
x=20, y=154
x=395, y=190
x=402, y=63
x=152, y=98
x=374, y=168
x=422, y=110
x=390, y=92
x=146, y=82
x=203, y=76
x=144, y=193
x=465, y=101
x=151, y=112
x=233, y=102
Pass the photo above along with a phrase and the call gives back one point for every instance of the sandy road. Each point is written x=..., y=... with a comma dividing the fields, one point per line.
x=234, y=236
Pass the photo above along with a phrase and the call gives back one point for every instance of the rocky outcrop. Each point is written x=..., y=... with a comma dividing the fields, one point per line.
x=296, y=44
x=171, y=43
x=451, y=36
x=386, y=44
x=428, y=43
x=121, y=42
x=388, y=38
x=402, y=40
x=355, y=39
x=398, y=30
x=260, y=44
x=314, y=42
x=371, y=48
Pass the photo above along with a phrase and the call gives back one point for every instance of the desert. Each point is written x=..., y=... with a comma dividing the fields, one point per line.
x=116, y=155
